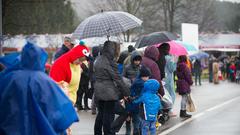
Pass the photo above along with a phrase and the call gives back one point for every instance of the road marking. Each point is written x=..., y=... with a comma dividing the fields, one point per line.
x=221, y=105
x=196, y=116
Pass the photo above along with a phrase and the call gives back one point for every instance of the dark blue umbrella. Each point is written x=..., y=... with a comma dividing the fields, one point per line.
x=199, y=55
x=155, y=38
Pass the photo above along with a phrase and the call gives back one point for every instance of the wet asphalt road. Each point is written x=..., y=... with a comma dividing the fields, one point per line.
x=218, y=113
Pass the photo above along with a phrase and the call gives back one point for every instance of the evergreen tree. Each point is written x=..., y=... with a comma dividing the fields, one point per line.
x=38, y=16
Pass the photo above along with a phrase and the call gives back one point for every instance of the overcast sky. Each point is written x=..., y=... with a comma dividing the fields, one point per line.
x=231, y=0
x=81, y=7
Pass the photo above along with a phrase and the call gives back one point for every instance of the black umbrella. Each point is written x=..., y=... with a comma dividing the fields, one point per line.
x=154, y=38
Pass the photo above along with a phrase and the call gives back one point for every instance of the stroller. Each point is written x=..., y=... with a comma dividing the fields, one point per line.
x=166, y=101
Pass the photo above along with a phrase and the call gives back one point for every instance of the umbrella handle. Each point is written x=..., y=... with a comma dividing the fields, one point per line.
x=108, y=35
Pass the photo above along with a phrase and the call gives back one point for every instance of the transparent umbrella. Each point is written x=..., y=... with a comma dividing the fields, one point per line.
x=106, y=24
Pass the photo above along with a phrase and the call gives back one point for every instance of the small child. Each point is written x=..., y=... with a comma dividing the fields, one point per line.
x=136, y=91
x=151, y=106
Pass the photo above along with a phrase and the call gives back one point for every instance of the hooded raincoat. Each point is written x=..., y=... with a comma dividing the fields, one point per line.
x=151, y=55
x=32, y=103
x=109, y=84
x=131, y=70
x=170, y=67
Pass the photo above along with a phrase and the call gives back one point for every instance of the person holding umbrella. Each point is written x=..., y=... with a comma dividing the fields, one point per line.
x=197, y=69
x=163, y=49
x=109, y=87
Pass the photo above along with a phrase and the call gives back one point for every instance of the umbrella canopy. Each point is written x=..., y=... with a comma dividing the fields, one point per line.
x=96, y=41
x=175, y=48
x=154, y=38
x=188, y=46
x=199, y=55
x=106, y=23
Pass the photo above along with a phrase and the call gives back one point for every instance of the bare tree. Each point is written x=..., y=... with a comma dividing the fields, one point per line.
x=169, y=8
x=131, y=6
x=158, y=15
x=201, y=12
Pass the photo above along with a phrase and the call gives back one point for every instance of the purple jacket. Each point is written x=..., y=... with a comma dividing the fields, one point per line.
x=151, y=54
x=184, y=79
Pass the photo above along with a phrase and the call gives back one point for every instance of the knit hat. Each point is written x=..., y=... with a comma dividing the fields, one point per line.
x=131, y=48
x=144, y=72
x=71, y=40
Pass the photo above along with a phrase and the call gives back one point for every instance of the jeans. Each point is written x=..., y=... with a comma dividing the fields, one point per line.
x=197, y=77
x=80, y=93
x=136, y=124
x=148, y=126
x=210, y=76
x=184, y=102
x=104, y=118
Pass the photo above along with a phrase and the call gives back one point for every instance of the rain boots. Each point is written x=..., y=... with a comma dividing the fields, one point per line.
x=183, y=114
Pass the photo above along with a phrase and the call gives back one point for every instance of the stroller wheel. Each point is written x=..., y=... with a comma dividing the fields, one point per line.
x=163, y=117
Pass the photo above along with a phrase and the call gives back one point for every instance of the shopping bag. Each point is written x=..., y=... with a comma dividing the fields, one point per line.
x=190, y=104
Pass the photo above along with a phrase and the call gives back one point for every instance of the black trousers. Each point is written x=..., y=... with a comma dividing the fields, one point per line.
x=104, y=117
x=80, y=92
x=123, y=114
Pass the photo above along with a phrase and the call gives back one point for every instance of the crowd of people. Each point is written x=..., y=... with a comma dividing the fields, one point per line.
x=226, y=68
x=132, y=84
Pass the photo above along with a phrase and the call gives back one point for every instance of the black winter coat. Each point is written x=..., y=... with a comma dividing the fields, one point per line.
x=109, y=84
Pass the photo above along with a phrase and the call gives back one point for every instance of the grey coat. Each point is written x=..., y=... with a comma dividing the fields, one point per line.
x=109, y=85
x=131, y=70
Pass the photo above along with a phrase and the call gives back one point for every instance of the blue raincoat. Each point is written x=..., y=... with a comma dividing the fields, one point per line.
x=150, y=100
x=31, y=103
x=10, y=59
